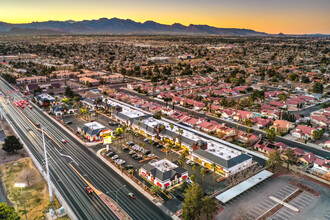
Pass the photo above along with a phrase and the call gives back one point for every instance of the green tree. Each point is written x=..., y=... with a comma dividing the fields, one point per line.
x=317, y=134
x=318, y=87
x=193, y=203
x=155, y=189
x=7, y=212
x=271, y=134
x=274, y=160
x=291, y=157
x=193, y=178
x=209, y=207
x=282, y=97
x=12, y=144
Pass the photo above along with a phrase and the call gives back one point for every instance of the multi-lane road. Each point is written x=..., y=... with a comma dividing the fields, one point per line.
x=62, y=156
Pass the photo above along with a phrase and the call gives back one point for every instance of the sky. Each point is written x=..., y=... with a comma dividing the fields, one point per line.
x=270, y=16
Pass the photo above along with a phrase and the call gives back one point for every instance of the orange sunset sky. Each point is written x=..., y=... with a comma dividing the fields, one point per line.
x=286, y=16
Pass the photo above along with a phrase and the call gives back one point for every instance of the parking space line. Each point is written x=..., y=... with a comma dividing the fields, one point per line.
x=288, y=212
x=269, y=202
x=259, y=208
x=300, y=204
x=254, y=214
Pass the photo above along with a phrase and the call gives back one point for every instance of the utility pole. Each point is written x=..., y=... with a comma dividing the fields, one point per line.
x=47, y=167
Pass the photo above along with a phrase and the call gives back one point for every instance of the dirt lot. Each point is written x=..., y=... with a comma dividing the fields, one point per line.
x=35, y=194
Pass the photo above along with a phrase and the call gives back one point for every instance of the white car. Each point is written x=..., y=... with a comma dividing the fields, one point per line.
x=190, y=162
x=115, y=157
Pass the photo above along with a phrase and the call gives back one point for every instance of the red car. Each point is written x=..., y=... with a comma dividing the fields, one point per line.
x=207, y=170
x=89, y=189
x=64, y=141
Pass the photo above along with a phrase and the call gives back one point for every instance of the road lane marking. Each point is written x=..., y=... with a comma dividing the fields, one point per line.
x=98, y=192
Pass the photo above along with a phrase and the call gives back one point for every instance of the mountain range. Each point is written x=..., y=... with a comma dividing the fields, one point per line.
x=118, y=26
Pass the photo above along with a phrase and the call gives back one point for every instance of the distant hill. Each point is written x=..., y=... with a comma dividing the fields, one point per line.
x=27, y=31
x=120, y=26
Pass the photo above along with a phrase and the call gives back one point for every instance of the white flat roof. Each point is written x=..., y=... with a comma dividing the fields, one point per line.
x=94, y=125
x=164, y=165
x=243, y=186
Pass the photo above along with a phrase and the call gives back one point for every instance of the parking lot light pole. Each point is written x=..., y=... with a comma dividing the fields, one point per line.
x=22, y=185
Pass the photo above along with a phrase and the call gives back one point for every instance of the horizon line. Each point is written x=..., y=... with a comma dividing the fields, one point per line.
x=162, y=24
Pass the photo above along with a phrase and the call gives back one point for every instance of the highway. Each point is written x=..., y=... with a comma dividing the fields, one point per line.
x=66, y=180
x=290, y=143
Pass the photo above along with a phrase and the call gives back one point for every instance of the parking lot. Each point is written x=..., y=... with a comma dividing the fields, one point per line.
x=255, y=202
x=300, y=202
x=175, y=203
x=267, y=204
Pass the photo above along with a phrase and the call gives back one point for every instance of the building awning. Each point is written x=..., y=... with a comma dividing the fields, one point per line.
x=243, y=186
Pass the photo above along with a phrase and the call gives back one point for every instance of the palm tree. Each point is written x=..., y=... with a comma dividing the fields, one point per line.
x=182, y=159
x=214, y=166
x=172, y=126
x=291, y=157
x=144, y=147
x=152, y=146
x=180, y=132
x=169, y=148
x=139, y=124
x=203, y=172
x=194, y=168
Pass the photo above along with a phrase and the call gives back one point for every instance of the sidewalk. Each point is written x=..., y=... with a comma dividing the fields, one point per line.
x=135, y=185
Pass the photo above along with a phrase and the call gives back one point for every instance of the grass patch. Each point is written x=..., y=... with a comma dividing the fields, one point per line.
x=35, y=194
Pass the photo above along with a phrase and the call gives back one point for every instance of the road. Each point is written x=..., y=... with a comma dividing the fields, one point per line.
x=66, y=180
x=290, y=143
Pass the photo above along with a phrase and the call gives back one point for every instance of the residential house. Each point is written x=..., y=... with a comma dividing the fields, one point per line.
x=282, y=126
x=303, y=132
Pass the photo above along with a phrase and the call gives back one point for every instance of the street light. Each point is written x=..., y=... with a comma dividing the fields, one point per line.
x=22, y=185
x=117, y=193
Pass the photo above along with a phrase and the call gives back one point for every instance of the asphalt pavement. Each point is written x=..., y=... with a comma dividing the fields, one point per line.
x=67, y=181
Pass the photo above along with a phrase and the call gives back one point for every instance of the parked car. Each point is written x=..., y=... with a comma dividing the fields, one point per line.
x=139, y=157
x=131, y=152
x=134, y=155
x=125, y=148
x=111, y=154
x=160, y=146
x=146, y=140
x=190, y=162
x=127, y=167
x=207, y=170
x=68, y=122
x=115, y=157
x=130, y=143
x=155, y=144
